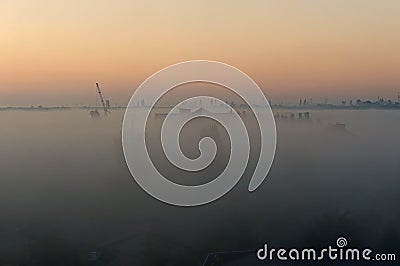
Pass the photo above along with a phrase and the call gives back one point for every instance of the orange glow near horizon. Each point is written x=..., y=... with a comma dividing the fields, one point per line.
x=53, y=50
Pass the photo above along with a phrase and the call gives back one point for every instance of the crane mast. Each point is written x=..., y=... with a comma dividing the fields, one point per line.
x=102, y=99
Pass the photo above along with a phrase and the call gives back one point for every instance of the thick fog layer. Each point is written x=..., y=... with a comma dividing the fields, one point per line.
x=65, y=190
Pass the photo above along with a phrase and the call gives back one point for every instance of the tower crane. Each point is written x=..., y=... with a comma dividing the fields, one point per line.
x=106, y=111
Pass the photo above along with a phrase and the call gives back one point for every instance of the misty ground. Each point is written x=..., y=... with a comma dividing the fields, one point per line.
x=66, y=192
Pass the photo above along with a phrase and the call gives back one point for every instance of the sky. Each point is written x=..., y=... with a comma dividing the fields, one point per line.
x=53, y=52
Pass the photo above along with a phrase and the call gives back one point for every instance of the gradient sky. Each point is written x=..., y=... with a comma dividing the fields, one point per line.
x=52, y=52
